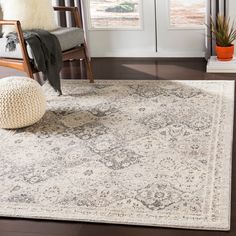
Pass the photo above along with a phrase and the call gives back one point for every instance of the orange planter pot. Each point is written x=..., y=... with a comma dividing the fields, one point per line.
x=225, y=53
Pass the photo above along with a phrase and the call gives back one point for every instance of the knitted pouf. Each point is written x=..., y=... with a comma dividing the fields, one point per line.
x=22, y=102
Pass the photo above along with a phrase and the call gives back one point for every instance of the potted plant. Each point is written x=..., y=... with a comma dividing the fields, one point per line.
x=224, y=33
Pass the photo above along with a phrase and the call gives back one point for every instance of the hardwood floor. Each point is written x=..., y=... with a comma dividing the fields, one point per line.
x=135, y=69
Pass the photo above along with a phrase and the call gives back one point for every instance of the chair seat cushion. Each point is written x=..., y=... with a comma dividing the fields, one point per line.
x=68, y=38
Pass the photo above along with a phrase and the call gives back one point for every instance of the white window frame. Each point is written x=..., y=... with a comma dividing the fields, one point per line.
x=138, y=28
x=190, y=27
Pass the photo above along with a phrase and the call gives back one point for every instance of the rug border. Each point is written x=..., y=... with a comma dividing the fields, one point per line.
x=229, y=143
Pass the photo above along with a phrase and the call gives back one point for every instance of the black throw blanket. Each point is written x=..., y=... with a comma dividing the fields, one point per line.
x=46, y=52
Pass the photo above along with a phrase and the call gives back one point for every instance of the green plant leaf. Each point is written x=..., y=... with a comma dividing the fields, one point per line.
x=223, y=31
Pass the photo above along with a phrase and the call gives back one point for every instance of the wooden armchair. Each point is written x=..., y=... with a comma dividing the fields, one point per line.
x=71, y=50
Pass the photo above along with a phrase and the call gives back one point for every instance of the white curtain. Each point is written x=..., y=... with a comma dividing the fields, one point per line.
x=56, y=3
x=66, y=18
x=214, y=7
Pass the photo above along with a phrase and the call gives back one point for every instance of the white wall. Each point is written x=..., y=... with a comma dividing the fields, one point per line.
x=232, y=12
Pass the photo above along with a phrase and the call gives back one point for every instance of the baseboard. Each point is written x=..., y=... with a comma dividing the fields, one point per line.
x=160, y=54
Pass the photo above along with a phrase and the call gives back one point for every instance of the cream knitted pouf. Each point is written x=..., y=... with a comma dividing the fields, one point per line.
x=22, y=102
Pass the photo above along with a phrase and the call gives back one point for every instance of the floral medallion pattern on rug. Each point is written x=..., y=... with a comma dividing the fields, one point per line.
x=129, y=152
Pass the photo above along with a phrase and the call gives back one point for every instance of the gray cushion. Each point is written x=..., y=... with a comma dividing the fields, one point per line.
x=68, y=38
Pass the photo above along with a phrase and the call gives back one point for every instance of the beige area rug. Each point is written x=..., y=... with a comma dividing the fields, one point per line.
x=153, y=153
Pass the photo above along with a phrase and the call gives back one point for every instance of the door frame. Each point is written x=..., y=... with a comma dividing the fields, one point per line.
x=157, y=50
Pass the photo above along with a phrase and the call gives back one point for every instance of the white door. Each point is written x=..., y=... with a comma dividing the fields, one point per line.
x=120, y=28
x=181, y=28
x=146, y=28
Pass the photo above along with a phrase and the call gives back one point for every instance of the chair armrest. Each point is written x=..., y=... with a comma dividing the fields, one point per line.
x=75, y=13
x=17, y=24
x=9, y=22
x=19, y=32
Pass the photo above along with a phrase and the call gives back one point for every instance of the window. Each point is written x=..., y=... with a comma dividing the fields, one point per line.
x=187, y=13
x=114, y=14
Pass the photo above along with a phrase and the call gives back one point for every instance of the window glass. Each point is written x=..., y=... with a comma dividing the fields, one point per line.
x=187, y=13
x=105, y=14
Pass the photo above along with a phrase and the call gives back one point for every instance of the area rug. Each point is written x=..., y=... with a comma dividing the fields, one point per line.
x=151, y=153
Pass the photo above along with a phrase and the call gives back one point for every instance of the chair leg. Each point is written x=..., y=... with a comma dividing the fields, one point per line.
x=88, y=65
x=28, y=70
x=37, y=77
x=30, y=75
x=82, y=68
